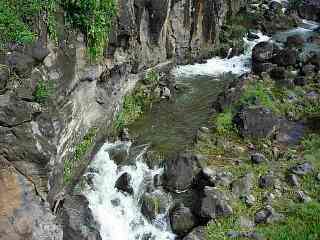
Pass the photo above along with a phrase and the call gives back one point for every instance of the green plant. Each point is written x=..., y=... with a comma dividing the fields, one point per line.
x=81, y=149
x=151, y=78
x=94, y=18
x=42, y=92
x=224, y=122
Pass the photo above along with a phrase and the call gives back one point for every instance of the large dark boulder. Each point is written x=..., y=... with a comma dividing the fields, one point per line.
x=295, y=40
x=78, y=222
x=256, y=122
x=286, y=57
x=214, y=204
x=182, y=220
x=180, y=171
x=310, y=10
x=19, y=62
x=123, y=183
x=263, y=51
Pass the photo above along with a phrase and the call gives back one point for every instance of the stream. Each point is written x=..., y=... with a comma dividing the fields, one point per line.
x=169, y=126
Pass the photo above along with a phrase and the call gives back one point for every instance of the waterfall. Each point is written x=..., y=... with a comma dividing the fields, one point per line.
x=118, y=214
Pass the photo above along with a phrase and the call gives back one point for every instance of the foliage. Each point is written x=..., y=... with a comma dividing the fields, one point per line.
x=258, y=94
x=42, y=92
x=12, y=28
x=133, y=107
x=224, y=122
x=302, y=223
x=151, y=78
x=94, y=18
x=80, y=150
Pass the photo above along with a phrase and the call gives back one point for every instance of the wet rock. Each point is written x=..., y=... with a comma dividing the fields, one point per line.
x=198, y=233
x=258, y=158
x=158, y=180
x=214, y=204
x=302, y=169
x=180, y=171
x=243, y=186
x=310, y=10
x=256, y=122
x=119, y=154
x=78, y=219
x=293, y=180
x=115, y=202
x=309, y=70
x=252, y=36
x=165, y=93
x=267, y=215
x=278, y=73
x=182, y=220
x=154, y=203
x=295, y=40
x=123, y=183
x=259, y=67
x=266, y=181
x=286, y=57
x=303, y=197
x=124, y=135
x=263, y=51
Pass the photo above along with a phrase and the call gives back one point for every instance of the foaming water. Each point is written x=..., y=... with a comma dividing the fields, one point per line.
x=119, y=214
x=217, y=66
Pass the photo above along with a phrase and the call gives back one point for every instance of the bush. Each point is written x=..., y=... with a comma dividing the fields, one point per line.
x=94, y=18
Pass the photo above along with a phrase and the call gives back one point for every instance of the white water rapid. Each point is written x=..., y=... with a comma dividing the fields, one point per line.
x=216, y=66
x=119, y=214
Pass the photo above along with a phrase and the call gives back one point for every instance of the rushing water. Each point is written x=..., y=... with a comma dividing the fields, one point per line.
x=169, y=125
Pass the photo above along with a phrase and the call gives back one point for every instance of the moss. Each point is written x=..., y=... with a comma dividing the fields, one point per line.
x=42, y=92
x=70, y=165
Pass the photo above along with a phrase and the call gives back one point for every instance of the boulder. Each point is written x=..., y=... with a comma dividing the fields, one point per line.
x=278, y=73
x=263, y=52
x=198, y=233
x=123, y=183
x=293, y=180
x=256, y=122
x=39, y=51
x=267, y=215
x=180, y=171
x=303, y=197
x=214, y=204
x=182, y=220
x=266, y=181
x=258, y=158
x=154, y=203
x=310, y=10
x=243, y=186
x=78, y=221
x=295, y=40
x=302, y=169
x=260, y=67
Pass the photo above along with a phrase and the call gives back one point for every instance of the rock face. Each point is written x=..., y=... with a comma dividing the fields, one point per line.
x=22, y=214
x=182, y=220
x=78, y=222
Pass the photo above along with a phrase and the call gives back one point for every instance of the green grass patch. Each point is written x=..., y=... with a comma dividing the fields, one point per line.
x=70, y=165
x=224, y=122
x=302, y=223
x=42, y=92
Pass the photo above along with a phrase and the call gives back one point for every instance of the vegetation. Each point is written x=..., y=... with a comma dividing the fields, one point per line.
x=224, y=122
x=295, y=4
x=138, y=102
x=94, y=18
x=70, y=165
x=42, y=92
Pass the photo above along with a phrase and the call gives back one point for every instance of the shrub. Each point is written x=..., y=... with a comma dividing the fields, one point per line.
x=94, y=18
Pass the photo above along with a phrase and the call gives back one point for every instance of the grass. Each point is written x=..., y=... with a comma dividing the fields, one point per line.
x=302, y=223
x=81, y=149
x=224, y=122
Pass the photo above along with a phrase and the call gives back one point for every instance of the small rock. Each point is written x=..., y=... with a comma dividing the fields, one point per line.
x=302, y=197
x=115, y=202
x=302, y=169
x=205, y=130
x=293, y=180
x=258, y=158
x=249, y=200
x=165, y=93
x=266, y=181
x=123, y=183
x=267, y=215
